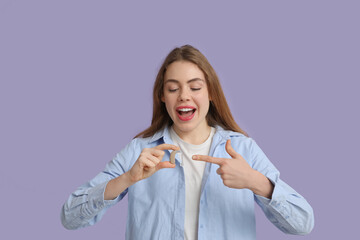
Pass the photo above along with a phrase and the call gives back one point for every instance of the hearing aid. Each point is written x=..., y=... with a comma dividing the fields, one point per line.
x=172, y=156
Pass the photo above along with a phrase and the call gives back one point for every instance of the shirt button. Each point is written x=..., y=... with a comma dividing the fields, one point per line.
x=201, y=201
x=201, y=226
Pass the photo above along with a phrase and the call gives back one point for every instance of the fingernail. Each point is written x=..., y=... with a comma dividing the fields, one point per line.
x=194, y=157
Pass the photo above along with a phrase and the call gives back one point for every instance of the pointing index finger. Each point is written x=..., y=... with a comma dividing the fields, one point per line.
x=206, y=158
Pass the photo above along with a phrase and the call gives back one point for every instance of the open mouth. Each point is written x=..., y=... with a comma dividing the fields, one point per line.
x=185, y=113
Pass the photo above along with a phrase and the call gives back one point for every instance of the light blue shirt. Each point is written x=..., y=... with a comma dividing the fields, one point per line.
x=156, y=205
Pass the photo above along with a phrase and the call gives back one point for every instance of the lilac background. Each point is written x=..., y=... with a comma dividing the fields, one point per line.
x=76, y=80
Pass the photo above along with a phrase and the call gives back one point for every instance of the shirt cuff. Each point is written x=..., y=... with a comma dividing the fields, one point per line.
x=277, y=196
x=96, y=197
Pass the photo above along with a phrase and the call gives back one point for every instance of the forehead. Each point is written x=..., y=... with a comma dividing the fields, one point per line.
x=183, y=71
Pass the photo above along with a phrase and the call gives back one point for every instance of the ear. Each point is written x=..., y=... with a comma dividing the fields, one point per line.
x=162, y=99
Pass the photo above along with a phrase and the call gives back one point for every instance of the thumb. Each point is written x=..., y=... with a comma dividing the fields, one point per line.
x=230, y=150
x=165, y=164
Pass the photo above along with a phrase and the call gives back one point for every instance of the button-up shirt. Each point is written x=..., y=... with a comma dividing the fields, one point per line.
x=156, y=205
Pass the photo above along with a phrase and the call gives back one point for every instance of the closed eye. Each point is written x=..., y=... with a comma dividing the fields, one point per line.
x=193, y=89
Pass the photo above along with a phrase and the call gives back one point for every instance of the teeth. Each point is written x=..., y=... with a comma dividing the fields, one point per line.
x=185, y=109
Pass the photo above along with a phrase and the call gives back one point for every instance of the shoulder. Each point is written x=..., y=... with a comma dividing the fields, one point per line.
x=235, y=137
x=242, y=144
x=148, y=142
x=139, y=142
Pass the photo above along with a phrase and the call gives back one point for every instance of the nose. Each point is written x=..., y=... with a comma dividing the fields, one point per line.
x=184, y=95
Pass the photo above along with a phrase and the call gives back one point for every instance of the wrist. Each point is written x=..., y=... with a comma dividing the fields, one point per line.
x=261, y=185
x=254, y=182
x=128, y=178
x=117, y=185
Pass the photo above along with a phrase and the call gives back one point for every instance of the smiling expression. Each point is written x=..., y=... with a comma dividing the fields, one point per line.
x=186, y=96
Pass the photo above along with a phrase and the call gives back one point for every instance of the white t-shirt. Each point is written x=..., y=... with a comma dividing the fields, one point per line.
x=193, y=171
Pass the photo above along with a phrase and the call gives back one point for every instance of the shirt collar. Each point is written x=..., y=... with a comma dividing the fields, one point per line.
x=220, y=132
x=160, y=134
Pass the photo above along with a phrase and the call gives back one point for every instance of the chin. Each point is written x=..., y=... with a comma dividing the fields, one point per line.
x=184, y=127
x=187, y=127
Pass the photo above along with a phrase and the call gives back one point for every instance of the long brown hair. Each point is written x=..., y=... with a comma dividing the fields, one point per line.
x=219, y=111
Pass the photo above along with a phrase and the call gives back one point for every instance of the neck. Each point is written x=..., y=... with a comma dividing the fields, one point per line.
x=196, y=136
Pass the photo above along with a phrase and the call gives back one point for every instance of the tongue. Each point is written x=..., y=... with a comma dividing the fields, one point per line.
x=186, y=114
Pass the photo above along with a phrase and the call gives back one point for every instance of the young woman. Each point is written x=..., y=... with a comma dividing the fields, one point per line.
x=209, y=192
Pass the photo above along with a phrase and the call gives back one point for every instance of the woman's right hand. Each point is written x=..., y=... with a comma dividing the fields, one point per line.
x=149, y=162
x=146, y=165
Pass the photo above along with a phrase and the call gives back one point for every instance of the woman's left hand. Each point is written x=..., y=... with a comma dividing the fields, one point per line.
x=235, y=171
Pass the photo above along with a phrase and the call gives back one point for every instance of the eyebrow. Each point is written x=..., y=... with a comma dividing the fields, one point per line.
x=189, y=81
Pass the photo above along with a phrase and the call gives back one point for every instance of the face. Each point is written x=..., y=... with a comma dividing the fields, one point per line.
x=186, y=96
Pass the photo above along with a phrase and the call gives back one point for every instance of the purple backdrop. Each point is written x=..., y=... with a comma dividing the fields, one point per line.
x=76, y=80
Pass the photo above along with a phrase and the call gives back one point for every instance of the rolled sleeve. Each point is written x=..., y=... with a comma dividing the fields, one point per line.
x=287, y=210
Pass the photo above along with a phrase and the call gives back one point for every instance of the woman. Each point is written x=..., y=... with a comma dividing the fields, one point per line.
x=209, y=192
